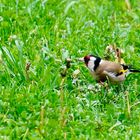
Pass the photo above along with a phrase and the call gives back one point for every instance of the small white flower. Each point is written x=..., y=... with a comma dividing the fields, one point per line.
x=90, y=87
x=74, y=81
x=1, y=18
x=75, y=73
x=12, y=37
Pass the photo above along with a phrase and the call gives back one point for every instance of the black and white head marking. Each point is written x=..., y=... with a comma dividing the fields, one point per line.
x=97, y=62
x=92, y=62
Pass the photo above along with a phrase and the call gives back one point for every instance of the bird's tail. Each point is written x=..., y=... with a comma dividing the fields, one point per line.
x=134, y=70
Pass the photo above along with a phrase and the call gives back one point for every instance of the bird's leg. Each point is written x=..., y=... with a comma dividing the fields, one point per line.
x=101, y=83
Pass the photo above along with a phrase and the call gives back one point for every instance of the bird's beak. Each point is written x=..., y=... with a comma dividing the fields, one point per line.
x=81, y=59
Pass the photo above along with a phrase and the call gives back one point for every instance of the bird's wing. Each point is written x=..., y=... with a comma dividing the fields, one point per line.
x=110, y=74
x=109, y=66
x=114, y=77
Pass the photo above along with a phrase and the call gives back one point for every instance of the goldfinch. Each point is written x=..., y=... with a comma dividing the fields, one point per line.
x=103, y=70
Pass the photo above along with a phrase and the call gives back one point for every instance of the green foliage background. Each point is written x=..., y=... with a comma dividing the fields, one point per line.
x=39, y=103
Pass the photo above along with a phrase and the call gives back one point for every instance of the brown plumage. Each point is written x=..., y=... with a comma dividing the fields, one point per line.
x=106, y=70
x=103, y=69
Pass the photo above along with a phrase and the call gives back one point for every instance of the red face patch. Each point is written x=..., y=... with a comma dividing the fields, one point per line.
x=86, y=59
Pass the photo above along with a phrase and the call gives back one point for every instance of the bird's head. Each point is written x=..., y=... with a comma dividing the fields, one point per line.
x=91, y=61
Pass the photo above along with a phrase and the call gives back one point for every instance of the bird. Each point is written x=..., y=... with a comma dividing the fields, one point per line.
x=104, y=70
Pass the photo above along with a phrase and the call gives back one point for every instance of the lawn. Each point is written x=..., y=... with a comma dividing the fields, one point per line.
x=42, y=100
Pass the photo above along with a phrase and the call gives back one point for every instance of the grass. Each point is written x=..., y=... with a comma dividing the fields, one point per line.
x=35, y=101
